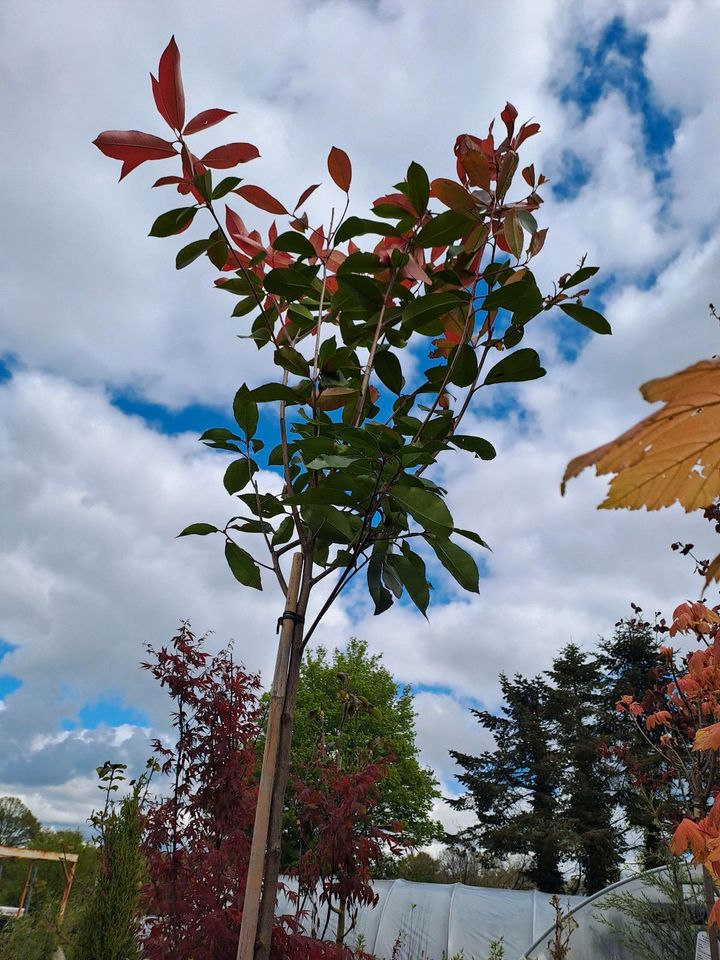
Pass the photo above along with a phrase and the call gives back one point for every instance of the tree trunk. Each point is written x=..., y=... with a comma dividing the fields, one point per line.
x=267, y=790
x=277, y=809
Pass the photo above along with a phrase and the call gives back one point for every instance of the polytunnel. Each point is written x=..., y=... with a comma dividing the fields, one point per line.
x=602, y=931
x=438, y=921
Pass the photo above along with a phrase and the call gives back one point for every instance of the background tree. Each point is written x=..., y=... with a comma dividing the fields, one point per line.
x=587, y=803
x=353, y=705
x=18, y=825
x=454, y=282
x=631, y=664
x=514, y=790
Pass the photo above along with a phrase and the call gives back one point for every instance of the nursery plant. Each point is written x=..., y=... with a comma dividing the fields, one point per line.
x=440, y=271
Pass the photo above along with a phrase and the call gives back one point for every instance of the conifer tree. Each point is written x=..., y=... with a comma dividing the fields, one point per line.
x=632, y=665
x=514, y=789
x=575, y=716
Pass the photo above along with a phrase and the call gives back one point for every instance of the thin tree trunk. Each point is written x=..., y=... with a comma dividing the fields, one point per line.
x=282, y=774
x=266, y=790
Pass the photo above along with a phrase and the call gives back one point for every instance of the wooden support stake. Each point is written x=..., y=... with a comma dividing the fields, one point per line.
x=69, y=876
x=256, y=867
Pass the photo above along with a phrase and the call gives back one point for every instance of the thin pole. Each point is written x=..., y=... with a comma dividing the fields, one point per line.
x=253, y=887
x=69, y=875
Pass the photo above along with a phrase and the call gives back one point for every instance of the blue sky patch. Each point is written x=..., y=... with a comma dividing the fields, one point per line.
x=614, y=63
x=109, y=712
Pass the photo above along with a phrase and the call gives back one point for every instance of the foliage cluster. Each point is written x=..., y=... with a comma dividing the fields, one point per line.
x=554, y=790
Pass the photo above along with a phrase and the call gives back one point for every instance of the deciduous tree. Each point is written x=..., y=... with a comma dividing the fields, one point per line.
x=449, y=278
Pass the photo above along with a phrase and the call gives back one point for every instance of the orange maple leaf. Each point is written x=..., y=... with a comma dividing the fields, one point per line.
x=708, y=738
x=671, y=456
x=687, y=836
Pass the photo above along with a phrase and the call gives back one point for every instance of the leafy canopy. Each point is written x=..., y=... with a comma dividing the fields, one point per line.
x=440, y=269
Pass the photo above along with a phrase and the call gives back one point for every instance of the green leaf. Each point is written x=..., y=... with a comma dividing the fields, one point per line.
x=292, y=360
x=191, y=252
x=584, y=273
x=172, y=222
x=513, y=335
x=242, y=565
x=357, y=227
x=389, y=371
x=425, y=508
x=588, y=318
x=410, y=568
x=361, y=288
x=381, y=596
x=360, y=262
x=513, y=233
x=481, y=448
x=275, y=391
x=321, y=517
x=330, y=461
x=284, y=532
x=457, y=561
x=245, y=411
x=218, y=253
x=523, y=364
x=522, y=297
x=290, y=282
x=219, y=433
x=293, y=242
x=443, y=229
x=199, y=530
x=237, y=476
x=471, y=535
x=225, y=186
x=465, y=368
x=418, y=187
x=244, y=306
x=430, y=307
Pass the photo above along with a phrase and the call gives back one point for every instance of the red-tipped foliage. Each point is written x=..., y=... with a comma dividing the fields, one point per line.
x=197, y=839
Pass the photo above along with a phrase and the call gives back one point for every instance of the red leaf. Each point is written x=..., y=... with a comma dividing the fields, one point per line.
x=166, y=181
x=508, y=117
x=229, y=155
x=259, y=198
x=525, y=131
x=159, y=102
x=305, y=194
x=205, y=119
x=340, y=168
x=133, y=148
x=235, y=227
x=171, y=87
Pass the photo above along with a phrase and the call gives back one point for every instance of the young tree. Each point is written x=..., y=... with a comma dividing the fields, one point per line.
x=109, y=924
x=353, y=705
x=514, y=790
x=453, y=283
x=197, y=838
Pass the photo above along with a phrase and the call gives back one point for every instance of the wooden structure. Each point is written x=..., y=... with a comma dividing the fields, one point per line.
x=69, y=864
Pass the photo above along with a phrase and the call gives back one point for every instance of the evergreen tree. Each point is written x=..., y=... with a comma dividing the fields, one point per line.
x=514, y=789
x=632, y=665
x=576, y=709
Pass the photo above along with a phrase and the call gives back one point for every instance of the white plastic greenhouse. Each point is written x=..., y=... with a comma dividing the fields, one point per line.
x=602, y=928
x=435, y=921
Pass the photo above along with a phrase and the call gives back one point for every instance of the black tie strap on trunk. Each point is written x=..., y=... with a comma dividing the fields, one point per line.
x=289, y=615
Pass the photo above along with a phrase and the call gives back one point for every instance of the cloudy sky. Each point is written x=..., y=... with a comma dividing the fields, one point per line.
x=111, y=363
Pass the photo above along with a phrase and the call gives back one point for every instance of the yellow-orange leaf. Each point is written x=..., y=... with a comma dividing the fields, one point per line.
x=708, y=738
x=671, y=456
x=687, y=835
